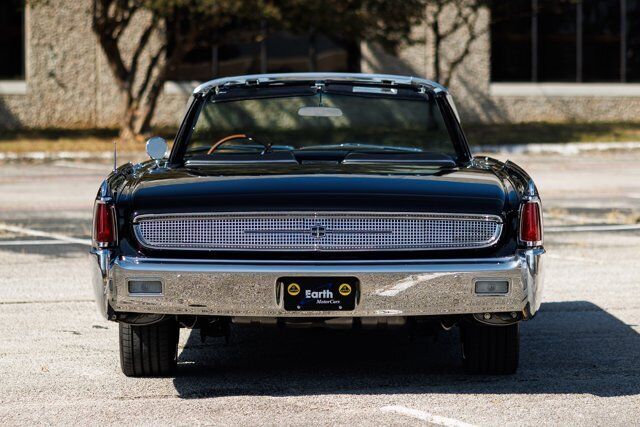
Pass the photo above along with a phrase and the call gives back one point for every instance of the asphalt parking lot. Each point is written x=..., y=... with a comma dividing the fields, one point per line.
x=580, y=360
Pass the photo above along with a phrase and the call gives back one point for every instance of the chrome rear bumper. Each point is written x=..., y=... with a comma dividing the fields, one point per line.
x=398, y=288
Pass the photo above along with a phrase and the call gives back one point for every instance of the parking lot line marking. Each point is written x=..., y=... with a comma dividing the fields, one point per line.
x=32, y=242
x=38, y=233
x=424, y=416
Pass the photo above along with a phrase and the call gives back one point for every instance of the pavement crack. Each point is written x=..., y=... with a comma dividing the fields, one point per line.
x=152, y=397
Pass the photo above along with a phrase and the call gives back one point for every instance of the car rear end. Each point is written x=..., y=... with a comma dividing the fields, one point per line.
x=322, y=244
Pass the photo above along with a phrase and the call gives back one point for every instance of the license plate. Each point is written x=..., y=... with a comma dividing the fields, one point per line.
x=319, y=293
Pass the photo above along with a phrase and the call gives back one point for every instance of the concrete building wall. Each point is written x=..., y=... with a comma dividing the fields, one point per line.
x=60, y=70
x=68, y=82
x=480, y=100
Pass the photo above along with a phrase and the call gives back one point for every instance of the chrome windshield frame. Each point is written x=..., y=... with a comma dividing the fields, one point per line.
x=258, y=79
x=202, y=93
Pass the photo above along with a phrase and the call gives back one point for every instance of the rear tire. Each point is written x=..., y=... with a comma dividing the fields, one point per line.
x=492, y=350
x=149, y=350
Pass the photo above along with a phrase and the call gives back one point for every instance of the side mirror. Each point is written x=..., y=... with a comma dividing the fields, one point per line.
x=157, y=148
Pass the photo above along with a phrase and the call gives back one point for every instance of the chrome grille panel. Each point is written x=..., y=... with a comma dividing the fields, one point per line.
x=322, y=231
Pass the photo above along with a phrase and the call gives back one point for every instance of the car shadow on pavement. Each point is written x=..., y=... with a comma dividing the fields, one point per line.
x=570, y=347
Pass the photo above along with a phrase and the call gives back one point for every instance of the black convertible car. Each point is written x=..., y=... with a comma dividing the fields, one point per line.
x=321, y=200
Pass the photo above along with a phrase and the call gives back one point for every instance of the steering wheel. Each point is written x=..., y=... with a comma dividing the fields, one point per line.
x=226, y=139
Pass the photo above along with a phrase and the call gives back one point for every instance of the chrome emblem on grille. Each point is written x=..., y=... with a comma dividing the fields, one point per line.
x=318, y=231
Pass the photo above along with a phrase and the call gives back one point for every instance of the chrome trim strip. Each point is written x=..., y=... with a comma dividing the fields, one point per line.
x=236, y=162
x=407, y=262
x=320, y=215
x=434, y=163
x=347, y=161
x=336, y=268
x=262, y=214
x=379, y=90
x=341, y=77
x=311, y=231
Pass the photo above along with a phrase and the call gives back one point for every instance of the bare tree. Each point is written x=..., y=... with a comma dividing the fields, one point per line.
x=139, y=89
x=172, y=28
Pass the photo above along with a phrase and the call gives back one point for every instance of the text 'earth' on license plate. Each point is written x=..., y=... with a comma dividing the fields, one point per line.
x=319, y=293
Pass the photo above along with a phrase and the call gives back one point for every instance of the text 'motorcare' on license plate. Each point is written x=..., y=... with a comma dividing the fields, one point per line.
x=319, y=293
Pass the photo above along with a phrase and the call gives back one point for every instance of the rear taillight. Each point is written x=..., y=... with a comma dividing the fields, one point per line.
x=531, y=223
x=104, y=224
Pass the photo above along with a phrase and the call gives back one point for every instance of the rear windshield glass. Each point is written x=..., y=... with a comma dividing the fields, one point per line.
x=354, y=121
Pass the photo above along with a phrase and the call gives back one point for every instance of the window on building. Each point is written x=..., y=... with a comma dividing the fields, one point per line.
x=12, y=39
x=511, y=41
x=632, y=42
x=277, y=52
x=601, y=38
x=565, y=41
x=556, y=41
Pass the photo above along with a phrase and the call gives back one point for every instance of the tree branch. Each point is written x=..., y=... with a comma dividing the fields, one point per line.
x=461, y=20
x=153, y=63
x=126, y=14
x=142, y=44
x=174, y=55
x=105, y=26
x=119, y=69
x=471, y=21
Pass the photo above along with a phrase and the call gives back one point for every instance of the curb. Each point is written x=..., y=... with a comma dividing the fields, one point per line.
x=56, y=155
x=565, y=148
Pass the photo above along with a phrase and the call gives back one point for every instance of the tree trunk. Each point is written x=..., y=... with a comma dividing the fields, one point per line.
x=354, y=55
x=127, y=127
x=138, y=88
x=437, y=41
x=313, y=52
x=140, y=101
x=138, y=111
x=127, y=133
x=148, y=109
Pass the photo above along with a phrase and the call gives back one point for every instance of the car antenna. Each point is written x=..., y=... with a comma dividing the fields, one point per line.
x=115, y=154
